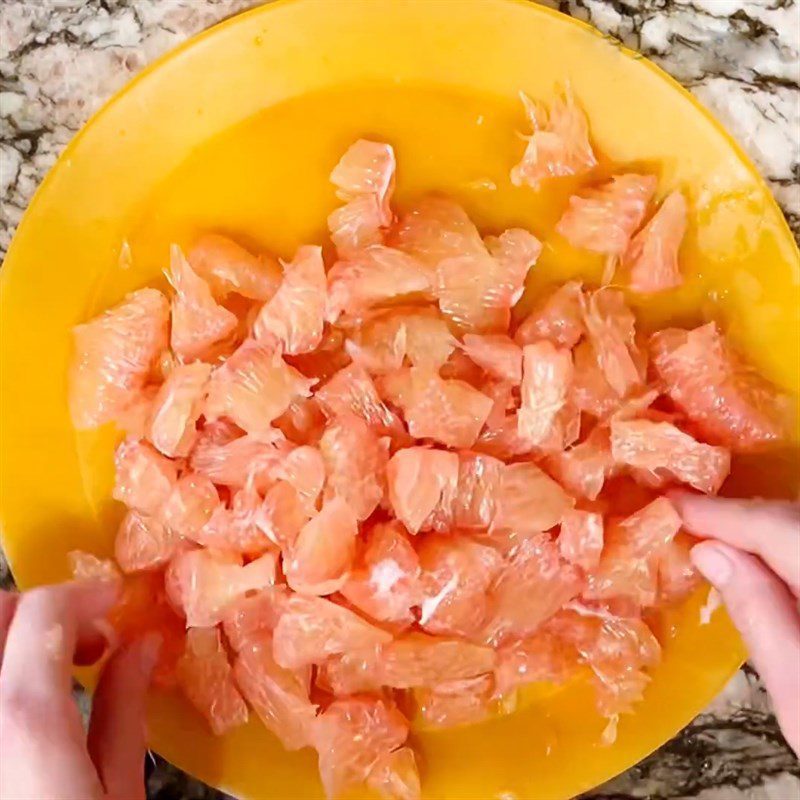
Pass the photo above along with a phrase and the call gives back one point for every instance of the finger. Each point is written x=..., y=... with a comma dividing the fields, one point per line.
x=766, y=614
x=117, y=739
x=8, y=604
x=42, y=638
x=770, y=530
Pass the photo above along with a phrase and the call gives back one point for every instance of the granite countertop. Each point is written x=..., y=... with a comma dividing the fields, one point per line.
x=60, y=59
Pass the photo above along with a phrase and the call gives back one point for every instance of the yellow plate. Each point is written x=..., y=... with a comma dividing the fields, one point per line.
x=237, y=131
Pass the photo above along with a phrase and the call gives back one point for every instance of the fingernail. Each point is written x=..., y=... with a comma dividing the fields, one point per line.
x=713, y=563
x=149, y=648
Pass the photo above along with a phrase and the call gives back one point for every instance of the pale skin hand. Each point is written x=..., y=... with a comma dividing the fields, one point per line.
x=44, y=750
x=751, y=554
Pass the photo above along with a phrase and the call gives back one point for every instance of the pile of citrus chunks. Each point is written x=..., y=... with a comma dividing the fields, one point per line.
x=357, y=494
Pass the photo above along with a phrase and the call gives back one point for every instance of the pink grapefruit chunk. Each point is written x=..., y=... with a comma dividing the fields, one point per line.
x=143, y=543
x=659, y=447
x=652, y=255
x=384, y=581
x=351, y=735
x=114, y=355
x=295, y=313
x=355, y=461
x=557, y=318
x=144, y=479
x=202, y=583
x=364, y=179
x=228, y=267
x=177, y=407
x=206, y=678
x=279, y=696
x=604, y=219
x=198, y=321
x=456, y=575
x=580, y=540
x=395, y=776
x=312, y=628
x=422, y=485
x=611, y=327
x=529, y=500
x=728, y=402
x=320, y=558
x=546, y=377
x=559, y=144
x=496, y=354
x=254, y=387
x=372, y=277
x=450, y=412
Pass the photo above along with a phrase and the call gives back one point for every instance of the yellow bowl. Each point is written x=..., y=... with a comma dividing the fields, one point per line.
x=237, y=131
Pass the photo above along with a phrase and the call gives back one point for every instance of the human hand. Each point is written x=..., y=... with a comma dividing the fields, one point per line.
x=44, y=751
x=752, y=556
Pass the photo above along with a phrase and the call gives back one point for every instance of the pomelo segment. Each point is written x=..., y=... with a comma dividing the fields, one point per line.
x=529, y=500
x=351, y=735
x=450, y=412
x=727, y=401
x=541, y=657
x=364, y=178
x=580, y=540
x=385, y=580
x=628, y=564
x=476, y=291
x=282, y=514
x=422, y=485
x=391, y=336
x=236, y=528
x=659, y=447
x=454, y=703
x=352, y=391
x=604, y=219
x=177, y=407
x=294, y=315
x=250, y=618
x=456, y=575
x=652, y=255
x=143, y=543
x=240, y=460
x=496, y=354
x=479, y=478
x=559, y=145
x=198, y=321
x=532, y=587
x=395, y=776
x=279, y=696
x=546, y=377
x=144, y=478
x=114, y=355
x=437, y=228
x=304, y=469
x=311, y=629
x=558, y=318
x=372, y=277
x=206, y=678
x=202, y=583
x=677, y=576
x=228, y=267
x=355, y=460
x=254, y=387
x=319, y=560
x=611, y=328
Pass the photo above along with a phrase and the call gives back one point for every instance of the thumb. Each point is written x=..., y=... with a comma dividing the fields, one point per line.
x=766, y=614
x=117, y=735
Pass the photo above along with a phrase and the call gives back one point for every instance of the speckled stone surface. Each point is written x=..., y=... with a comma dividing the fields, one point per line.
x=61, y=59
